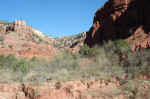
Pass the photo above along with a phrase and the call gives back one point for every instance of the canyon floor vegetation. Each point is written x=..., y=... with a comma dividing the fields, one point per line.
x=113, y=58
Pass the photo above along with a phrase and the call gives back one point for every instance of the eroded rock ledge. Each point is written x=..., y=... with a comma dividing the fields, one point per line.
x=115, y=88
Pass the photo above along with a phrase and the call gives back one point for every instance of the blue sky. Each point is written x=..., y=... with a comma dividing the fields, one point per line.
x=53, y=17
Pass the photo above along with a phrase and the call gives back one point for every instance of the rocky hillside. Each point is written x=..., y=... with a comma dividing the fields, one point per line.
x=72, y=43
x=122, y=19
x=22, y=40
x=110, y=71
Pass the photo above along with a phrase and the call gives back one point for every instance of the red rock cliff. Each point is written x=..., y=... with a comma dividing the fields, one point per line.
x=118, y=19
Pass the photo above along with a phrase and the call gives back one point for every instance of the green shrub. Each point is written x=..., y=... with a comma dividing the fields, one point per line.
x=2, y=61
x=134, y=63
x=12, y=63
x=22, y=65
x=112, y=53
x=66, y=60
x=86, y=51
x=122, y=45
x=58, y=85
x=1, y=38
x=10, y=46
x=138, y=62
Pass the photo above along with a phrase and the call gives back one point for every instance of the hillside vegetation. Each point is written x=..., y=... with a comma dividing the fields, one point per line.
x=111, y=59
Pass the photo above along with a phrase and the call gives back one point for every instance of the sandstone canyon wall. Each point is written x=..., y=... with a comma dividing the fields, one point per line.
x=121, y=19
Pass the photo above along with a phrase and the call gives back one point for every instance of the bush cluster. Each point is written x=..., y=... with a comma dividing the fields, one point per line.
x=97, y=62
x=86, y=51
x=14, y=64
x=133, y=64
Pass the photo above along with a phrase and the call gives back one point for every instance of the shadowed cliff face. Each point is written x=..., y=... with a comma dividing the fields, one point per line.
x=120, y=19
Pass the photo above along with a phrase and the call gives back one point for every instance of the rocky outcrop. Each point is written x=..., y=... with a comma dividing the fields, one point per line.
x=21, y=26
x=84, y=89
x=70, y=42
x=121, y=19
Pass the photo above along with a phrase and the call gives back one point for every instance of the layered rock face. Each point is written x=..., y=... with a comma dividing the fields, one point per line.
x=119, y=19
x=21, y=26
